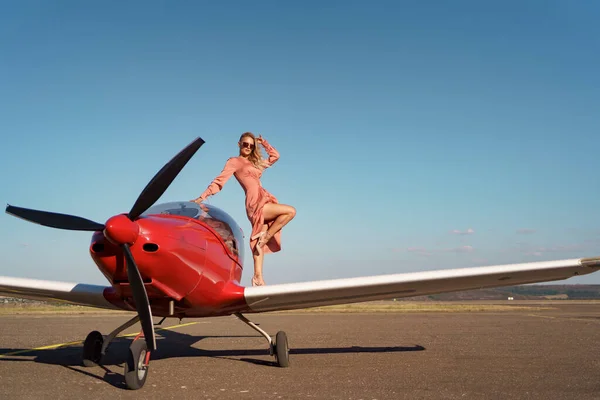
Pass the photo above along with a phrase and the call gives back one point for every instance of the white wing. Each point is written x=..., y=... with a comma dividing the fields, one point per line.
x=64, y=292
x=354, y=290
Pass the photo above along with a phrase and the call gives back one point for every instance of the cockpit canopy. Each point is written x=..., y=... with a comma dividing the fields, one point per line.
x=217, y=219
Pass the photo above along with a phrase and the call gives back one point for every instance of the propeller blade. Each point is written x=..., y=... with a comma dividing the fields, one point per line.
x=161, y=181
x=142, y=304
x=54, y=220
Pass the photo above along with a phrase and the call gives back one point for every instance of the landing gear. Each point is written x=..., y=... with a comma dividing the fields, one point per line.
x=282, y=352
x=278, y=347
x=92, y=349
x=138, y=358
x=136, y=367
x=95, y=345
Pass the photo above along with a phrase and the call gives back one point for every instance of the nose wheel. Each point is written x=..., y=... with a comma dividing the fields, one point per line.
x=138, y=357
x=136, y=367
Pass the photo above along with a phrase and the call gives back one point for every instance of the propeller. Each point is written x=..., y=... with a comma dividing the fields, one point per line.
x=54, y=220
x=163, y=178
x=142, y=304
x=122, y=229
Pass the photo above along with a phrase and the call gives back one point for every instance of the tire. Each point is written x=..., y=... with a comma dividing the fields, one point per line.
x=282, y=353
x=135, y=373
x=92, y=348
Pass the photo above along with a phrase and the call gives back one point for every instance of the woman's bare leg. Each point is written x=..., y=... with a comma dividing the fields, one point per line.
x=280, y=214
x=258, y=256
x=257, y=279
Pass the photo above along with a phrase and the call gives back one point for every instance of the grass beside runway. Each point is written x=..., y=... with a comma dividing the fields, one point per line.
x=369, y=307
x=406, y=307
x=42, y=308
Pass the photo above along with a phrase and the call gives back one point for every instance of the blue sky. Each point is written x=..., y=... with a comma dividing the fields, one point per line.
x=413, y=135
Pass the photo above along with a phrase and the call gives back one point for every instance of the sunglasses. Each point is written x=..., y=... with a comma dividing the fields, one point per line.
x=247, y=145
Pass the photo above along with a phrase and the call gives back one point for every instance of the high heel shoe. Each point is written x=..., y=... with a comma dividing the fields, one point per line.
x=261, y=240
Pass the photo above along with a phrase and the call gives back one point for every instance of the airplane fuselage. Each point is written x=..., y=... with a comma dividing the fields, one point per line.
x=191, y=263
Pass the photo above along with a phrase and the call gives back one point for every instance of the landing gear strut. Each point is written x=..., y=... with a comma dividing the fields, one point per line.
x=95, y=345
x=278, y=347
x=138, y=358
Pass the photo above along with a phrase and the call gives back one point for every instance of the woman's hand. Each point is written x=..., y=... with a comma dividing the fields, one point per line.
x=259, y=139
x=198, y=200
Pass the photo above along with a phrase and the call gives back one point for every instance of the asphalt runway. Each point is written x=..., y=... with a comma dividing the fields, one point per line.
x=525, y=354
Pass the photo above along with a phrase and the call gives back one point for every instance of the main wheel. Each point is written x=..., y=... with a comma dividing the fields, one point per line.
x=92, y=348
x=135, y=371
x=282, y=353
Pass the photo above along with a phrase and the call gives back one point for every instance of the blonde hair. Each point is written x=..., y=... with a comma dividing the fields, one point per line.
x=255, y=156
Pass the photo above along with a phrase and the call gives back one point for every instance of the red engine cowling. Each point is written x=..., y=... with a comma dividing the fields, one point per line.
x=181, y=261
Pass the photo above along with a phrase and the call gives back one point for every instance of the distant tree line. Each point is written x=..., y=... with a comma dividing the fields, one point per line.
x=573, y=292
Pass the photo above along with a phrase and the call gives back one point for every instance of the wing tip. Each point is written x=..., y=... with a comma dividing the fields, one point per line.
x=591, y=262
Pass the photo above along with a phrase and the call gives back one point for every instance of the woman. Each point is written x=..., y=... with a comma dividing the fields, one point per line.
x=264, y=212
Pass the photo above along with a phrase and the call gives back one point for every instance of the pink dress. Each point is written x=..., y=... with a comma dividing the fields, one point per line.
x=256, y=196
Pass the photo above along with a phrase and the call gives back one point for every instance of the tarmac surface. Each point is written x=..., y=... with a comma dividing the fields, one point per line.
x=521, y=354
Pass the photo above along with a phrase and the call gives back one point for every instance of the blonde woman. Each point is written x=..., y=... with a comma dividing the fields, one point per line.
x=264, y=212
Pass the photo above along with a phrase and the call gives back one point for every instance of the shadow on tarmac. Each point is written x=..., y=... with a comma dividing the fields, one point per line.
x=170, y=344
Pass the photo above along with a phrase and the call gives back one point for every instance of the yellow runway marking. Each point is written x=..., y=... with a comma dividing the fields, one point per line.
x=56, y=346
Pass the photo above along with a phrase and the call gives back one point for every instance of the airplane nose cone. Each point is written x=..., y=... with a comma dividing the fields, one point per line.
x=120, y=229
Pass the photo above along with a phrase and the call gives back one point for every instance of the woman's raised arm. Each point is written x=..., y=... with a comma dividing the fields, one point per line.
x=271, y=151
x=217, y=184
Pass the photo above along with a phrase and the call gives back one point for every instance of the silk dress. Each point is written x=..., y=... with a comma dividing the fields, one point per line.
x=248, y=177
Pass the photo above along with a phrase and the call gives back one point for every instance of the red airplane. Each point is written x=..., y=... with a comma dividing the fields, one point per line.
x=184, y=260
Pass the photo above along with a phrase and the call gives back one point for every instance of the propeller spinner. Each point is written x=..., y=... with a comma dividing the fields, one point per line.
x=122, y=229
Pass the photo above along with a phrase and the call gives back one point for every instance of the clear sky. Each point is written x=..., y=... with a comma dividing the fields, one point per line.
x=413, y=135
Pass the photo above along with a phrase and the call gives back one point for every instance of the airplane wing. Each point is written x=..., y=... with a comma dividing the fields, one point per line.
x=63, y=292
x=354, y=290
